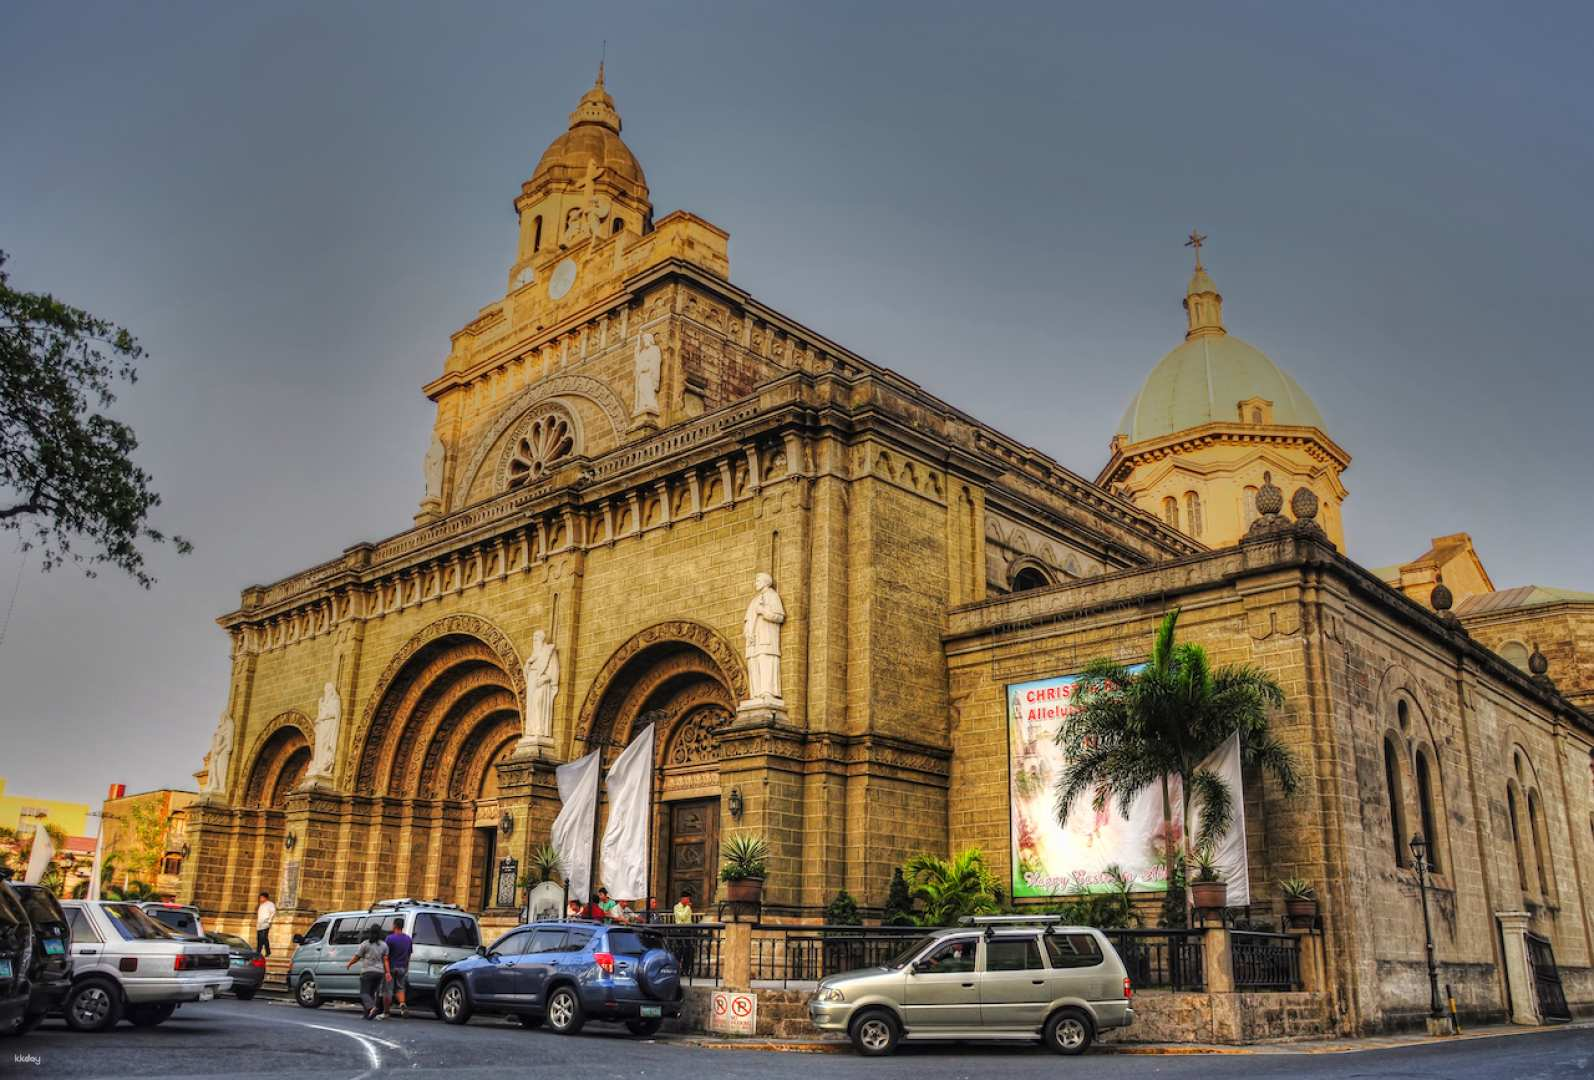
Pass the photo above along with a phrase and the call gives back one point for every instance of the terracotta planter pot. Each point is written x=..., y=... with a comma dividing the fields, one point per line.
x=746, y=891
x=1303, y=910
x=1209, y=894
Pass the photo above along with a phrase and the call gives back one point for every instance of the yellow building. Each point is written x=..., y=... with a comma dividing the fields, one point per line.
x=627, y=446
x=24, y=811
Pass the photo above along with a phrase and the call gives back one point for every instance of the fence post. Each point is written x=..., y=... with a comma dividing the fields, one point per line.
x=1313, y=971
x=736, y=955
x=1217, y=960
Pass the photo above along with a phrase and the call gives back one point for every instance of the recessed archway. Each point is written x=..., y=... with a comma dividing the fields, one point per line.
x=279, y=762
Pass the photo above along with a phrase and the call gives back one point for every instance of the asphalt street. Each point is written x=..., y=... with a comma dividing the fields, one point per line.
x=232, y=1038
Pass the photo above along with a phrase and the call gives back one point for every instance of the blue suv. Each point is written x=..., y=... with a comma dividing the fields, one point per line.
x=567, y=973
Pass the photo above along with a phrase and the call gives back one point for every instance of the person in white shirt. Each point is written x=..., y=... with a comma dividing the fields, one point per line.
x=263, y=916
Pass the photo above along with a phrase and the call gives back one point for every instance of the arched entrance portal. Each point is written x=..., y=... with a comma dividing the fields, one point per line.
x=687, y=680
x=444, y=720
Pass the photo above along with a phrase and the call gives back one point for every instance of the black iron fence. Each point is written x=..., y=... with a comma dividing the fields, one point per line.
x=697, y=947
x=1162, y=959
x=793, y=953
x=1265, y=961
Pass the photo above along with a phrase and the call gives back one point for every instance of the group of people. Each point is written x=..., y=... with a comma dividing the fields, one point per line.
x=604, y=908
x=384, y=970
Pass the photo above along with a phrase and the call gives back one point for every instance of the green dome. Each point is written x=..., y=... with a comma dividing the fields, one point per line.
x=1204, y=380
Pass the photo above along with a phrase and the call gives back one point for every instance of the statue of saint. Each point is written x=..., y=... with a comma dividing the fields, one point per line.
x=220, y=756
x=649, y=360
x=542, y=683
x=761, y=628
x=328, y=715
x=572, y=231
x=432, y=466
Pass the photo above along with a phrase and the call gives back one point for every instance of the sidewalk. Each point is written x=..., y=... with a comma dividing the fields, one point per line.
x=1314, y=1046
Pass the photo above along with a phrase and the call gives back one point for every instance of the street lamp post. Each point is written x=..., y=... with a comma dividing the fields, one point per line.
x=1419, y=853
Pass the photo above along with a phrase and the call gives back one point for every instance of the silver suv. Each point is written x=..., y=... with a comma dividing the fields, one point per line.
x=998, y=977
x=125, y=964
x=441, y=933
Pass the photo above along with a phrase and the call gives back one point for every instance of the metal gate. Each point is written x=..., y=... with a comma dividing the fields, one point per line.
x=1546, y=980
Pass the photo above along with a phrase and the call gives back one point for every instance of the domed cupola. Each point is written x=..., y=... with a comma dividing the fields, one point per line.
x=587, y=186
x=1212, y=413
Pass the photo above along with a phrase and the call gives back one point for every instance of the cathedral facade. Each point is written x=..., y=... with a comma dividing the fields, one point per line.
x=629, y=449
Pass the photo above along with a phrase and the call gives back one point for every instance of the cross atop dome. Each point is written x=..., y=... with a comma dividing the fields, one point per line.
x=1195, y=241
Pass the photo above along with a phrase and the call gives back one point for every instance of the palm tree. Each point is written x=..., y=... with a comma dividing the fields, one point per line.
x=1129, y=730
x=951, y=888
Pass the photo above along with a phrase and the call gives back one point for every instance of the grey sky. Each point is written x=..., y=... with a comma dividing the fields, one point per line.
x=294, y=205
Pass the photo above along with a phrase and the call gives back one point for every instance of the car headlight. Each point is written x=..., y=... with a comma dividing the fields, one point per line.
x=829, y=993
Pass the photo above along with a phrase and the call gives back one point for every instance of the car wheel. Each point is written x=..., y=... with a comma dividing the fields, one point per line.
x=564, y=1011
x=644, y=1028
x=245, y=994
x=529, y=1021
x=150, y=1015
x=93, y=1005
x=1068, y=1032
x=875, y=1034
x=307, y=993
x=453, y=1004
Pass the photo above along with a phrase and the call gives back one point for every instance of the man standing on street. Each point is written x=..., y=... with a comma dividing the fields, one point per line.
x=399, y=947
x=263, y=916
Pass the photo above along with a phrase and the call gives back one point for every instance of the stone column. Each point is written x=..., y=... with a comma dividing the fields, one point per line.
x=1522, y=1002
x=736, y=955
x=1217, y=961
x=1314, y=976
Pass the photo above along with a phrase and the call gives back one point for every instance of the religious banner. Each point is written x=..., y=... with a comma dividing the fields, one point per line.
x=1053, y=858
x=624, y=869
x=573, y=828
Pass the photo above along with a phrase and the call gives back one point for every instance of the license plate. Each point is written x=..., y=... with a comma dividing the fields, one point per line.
x=650, y=1011
x=207, y=994
x=238, y=961
x=54, y=946
x=5, y=969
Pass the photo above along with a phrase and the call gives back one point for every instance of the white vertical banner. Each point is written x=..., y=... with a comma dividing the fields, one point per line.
x=624, y=869
x=573, y=828
x=1229, y=853
x=39, y=861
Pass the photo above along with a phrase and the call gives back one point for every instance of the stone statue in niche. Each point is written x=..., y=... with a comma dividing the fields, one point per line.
x=329, y=714
x=761, y=629
x=542, y=684
x=572, y=232
x=432, y=467
x=220, y=757
x=595, y=202
x=649, y=361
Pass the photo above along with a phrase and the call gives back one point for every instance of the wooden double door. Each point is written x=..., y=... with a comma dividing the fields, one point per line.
x=692, y=852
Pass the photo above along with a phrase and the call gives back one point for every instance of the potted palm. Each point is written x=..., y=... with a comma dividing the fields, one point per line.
x=1300, y=900
x=746, y=858
x=1208, y=890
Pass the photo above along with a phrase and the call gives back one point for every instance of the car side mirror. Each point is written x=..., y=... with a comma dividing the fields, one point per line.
x=481, y=950
x=298, y=939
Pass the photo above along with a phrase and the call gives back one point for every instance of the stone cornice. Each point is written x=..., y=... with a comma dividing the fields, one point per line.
x=1128, y=456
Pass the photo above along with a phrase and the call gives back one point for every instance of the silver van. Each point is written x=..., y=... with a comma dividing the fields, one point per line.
x=997, y=977
x=319, y=970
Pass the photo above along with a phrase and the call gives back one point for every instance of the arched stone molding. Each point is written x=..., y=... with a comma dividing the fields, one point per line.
x=576, y=386
x=644, y=663
x=1017, y=566
x=1398, y=687
x=277, y=759
x=398, y=686
x=453, y=734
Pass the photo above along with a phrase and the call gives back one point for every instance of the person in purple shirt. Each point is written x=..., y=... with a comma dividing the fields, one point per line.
x=399, y=947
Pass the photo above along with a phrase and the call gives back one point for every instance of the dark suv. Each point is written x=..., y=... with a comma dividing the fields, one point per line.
x=16, y=953
x=567, y=973
x=50, y=972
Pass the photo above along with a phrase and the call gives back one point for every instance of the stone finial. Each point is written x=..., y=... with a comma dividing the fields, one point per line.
x=1269, y=499
x=1441, y=597
x=1303, y=504
x=1538, y=663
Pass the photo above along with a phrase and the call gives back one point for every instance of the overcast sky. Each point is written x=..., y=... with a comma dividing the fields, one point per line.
x=293, y=206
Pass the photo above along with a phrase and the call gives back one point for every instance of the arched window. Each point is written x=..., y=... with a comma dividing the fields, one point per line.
x=1540, y=845
x=1516, y=837
x=536, y=233
x=1249, y=512
x=1170, y=511
x=1029, y=578
x=1425, y=806
x=1256, y=416
x=1397, y=804
x=619, y=223
x=1192, y=512
x=1516, y=653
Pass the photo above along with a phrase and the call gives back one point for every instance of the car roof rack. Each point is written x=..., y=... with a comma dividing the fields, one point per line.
x=397, y=902
x=1007, y=920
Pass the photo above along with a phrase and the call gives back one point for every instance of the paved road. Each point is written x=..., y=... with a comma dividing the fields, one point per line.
x=232, y=1038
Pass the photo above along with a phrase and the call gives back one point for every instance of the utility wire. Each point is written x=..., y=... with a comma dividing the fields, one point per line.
x=15, y=588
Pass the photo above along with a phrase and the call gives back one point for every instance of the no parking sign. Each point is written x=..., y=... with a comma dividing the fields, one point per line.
x=733, y=1014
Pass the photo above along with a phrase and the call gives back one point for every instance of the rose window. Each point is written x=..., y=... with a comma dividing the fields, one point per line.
x=544, y=443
